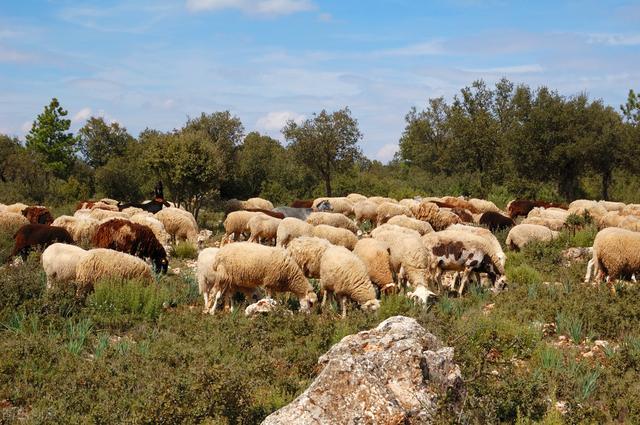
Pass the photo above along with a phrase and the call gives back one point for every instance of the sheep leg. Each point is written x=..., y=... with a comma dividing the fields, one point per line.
x=343, y=302
x=218, y=295
x=587, y=277
x=463, y=281
x=324, y=299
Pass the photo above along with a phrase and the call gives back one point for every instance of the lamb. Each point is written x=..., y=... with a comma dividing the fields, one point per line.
x=81, y=229
x=365, y=210
x=409, y=258
x=336, y=235
x=419, y=226
x=102, y=263
x=345, y=275
x=522, y=234
x=291, y=228
x=257, y=203
x=249, y=265
x=10, y=222
x=338, y=205
x=616, y=254
x=483, y=206
x=235, y=224
x=376, y=256
x=386, y=210
x=59, y=262
x=431, y=213
x=332, y=219
x=263, y=228
x=180, y=224
x=307, y=253
x=551, y=223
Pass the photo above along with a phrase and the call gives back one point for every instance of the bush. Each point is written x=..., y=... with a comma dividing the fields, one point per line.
x=128, y=297
x=184, y=250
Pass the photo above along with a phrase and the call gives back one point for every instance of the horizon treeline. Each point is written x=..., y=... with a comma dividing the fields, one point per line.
x=502, y=142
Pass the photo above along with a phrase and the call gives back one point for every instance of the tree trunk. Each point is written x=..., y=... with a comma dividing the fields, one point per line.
x=327, y=184
x=606, y=183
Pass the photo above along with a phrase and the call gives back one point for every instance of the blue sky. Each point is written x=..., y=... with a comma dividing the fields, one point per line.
x=153, y=63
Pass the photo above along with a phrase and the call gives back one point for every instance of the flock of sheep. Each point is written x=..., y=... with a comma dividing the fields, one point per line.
x=267, y=250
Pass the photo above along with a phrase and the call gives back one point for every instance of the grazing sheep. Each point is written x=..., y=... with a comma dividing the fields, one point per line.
x=631, y=209
x=38, y=215
x=388, y=227
x=249, y=265
x=336, y=235
x=101, y=263
x=338, y=205
x=376, y=256
x=332, y=219
x=59, y=262
x=582, y=206
x=483, y=206
x=386, y=210
x=522, y=234
x=263, y=228
x=10, y=222
x=460, y=202
x=409, y=203
x=431, y=213
x=616, y=254
x=496, y=248
x=421, y=294
x=18, y=207
x=631, y=222
x=464, y=215
x=149, y=220
x=291, y=228
x=356, y=197
x=612, y=206
x=307, y=253
x=180, y=224
x=522, y=207
x=365, y=210
x=381, y=199
x=100, y=205
x=132, y=238
x=131, y=211
x=552, y=213
x=345, y=275
x=257, y=203
x=39, y=236
x=409, y=258
x=81, y=229
x=551, y=223
x=496, y=221
x=235, y=224
x=99, y=214
x=419, y=226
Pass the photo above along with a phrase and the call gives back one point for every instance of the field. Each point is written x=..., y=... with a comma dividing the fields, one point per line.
x=137, y=354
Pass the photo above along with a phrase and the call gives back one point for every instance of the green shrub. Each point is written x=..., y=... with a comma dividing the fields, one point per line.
x=128, y=297
x=184, y=250
x=523, y=275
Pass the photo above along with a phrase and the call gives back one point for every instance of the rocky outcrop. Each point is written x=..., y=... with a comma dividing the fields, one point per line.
x=396, y=373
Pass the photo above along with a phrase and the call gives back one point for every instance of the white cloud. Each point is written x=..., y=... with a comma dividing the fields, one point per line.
x=386, y=152
x=253, y=7
x=275, y=121
x=614, y=39
x=81, y=115
x=433, y=47
x=515, y=69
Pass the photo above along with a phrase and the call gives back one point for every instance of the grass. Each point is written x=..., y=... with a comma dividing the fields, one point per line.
x=141, y=353
x=184, y=250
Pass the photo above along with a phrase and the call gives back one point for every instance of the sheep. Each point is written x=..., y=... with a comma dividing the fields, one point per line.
x=263, y=228
x=431, y=213
x=102, y=263
x=421, y=294
x=381, y=199
x=409, y=258
x=81, y=229
x=483, y=206
x=496, y=248
x=59, y=262
x=496, y=221
x=387, y=227
x=100, y=214
x=356, y=197
x=37, y=236
x=131, y=211
x=409, y=203
x=235, y=224
x=100, y=205
x=464, y=215
x=582, y=206
x=291, y=228
x=257, y=203
x=386, y=210
x=522, y=234
x=38, y=215
x=10, y=222
x=631, y=209
x=332, y=219
x=419, y=226
x=365, y=210
x=338, y=205
x=612, y=206
x=459, y=202
x=154, y=224
x=109, y=201
x=307, y=253
x=180, y=224
x=461, y=250
x=552, y=213
x=631, y=222
x=616, y=254
x=345, y=275
x=376, y=256
x=551, y=223
x=249, y=265
x=18, y=207
x=336, y=235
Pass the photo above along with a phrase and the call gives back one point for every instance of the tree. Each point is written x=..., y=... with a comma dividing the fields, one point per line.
x=9, y=147
x=190, y=166
x=99, y=141
x=326, y=143
x=49, y=137
x=631, y=109
x=257, y=161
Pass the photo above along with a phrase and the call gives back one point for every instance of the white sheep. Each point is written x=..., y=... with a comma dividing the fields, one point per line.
x=335, y=235
x=356, y=197
x=343, y=274
x=307, y=253
x=342, y=206
x=381, y=199
x=550, y=213
x=332, y=219
x=496, y=248
x=438, y=218
x=631, y=222
x=483, y=206
x=612, y=206
x=59, y=262
x=616, y=254
x=263, y=228
x=366, y=210
x=154, y=224
x=409, y=203
x=235, y=224
x=376, y=255
x=17, y=208
x=551, y=223
x=180, y=224
x=631, y=209
x=81, y=228
x=249, y=265
x=386, y=210
x=388, y=227
x=101, y=263
x=419, y=226
x=291, y=228
x=10, y=222
x=522, y=234
x=409, y=258
x=421, y=294
x=257, y=203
